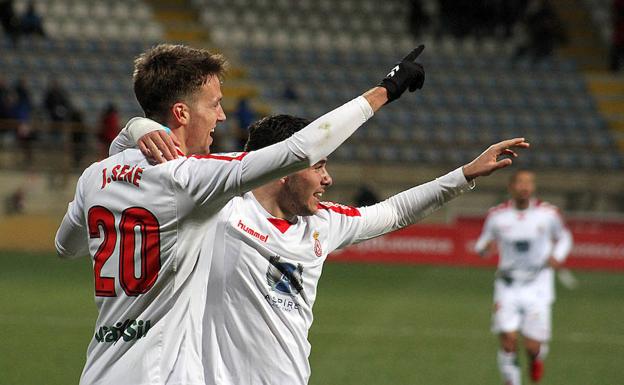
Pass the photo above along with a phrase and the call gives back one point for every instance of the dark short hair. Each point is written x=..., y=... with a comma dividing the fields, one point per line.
x=168, y=73
x=273, y=129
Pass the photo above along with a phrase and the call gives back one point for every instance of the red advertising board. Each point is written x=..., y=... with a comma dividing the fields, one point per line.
x=597, y=245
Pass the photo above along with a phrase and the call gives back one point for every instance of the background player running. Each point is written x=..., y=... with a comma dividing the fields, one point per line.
x=532, y=240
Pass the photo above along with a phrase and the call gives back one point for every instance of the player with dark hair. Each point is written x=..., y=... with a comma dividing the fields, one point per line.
x=274, y=242
x=532, y=241
x=146, y=226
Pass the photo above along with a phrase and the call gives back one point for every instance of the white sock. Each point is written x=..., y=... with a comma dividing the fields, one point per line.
x=509, y=368
x=543, y=352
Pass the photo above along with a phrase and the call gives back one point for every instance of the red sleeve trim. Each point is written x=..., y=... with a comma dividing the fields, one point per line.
x=340, y=209
x=225, y=157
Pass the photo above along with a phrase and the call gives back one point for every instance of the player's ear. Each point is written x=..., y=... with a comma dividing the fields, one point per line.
x=180, y=113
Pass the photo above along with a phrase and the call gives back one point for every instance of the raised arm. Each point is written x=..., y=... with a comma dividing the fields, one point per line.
x=309, y=145
x=405, y=75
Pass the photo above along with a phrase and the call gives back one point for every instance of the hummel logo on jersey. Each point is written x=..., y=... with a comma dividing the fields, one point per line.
x=252, y=232
x=128, y=330
x=122, y=173
x=393, y=71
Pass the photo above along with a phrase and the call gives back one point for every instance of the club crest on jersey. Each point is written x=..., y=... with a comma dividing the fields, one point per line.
x=284, y=277
x=318, y=250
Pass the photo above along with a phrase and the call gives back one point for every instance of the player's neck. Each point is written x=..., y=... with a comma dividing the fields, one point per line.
x=522, y=204
x=180, y=133
x=267, y=197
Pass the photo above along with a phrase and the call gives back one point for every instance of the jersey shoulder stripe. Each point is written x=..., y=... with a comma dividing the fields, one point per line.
x=227, y=157
x=548, y=206
x=501, y=207
x=339, y=208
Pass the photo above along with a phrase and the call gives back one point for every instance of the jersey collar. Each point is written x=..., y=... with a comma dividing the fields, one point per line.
x=281, y=224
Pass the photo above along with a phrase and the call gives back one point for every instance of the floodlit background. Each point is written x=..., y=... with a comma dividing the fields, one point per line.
x=548, y=71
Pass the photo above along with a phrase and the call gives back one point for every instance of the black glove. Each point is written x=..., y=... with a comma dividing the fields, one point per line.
x=404, y=75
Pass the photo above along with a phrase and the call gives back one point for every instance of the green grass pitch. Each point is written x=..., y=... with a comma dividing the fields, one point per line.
x=374, y=324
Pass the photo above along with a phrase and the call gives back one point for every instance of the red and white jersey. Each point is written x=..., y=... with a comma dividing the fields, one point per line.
x=526, y=239
x=264, y=279
x=147, y=229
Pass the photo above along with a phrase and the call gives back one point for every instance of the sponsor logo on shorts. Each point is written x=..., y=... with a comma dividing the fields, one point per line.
x=127, y=330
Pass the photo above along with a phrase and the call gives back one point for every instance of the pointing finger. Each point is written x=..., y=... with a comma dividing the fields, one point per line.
x=414, y=54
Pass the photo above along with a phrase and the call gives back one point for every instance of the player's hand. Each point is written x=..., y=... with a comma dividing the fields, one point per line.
x=489, y=250
x=489, y=161
x=159, y=146
x=407, y=74
x=552, y=262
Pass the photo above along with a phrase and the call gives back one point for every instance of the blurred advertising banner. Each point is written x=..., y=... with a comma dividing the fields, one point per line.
x=597, y=245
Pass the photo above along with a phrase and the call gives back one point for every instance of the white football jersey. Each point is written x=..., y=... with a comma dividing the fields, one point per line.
x=265, y=275
x=147, y=227
x=526, y=239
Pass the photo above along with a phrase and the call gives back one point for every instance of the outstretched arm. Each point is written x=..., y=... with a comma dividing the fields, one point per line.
x=410, y=206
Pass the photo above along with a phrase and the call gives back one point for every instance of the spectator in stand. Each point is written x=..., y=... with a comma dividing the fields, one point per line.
x=511, y=11
x=78, y=136
x=31, y=23
x=109, y=128
x=365, y=196
x=545, y=32
x=5, y=112
x=418, y=18
x=290, y=93
x=57, y=105
x=617, y=40
x=56, y=102
x=21, y=113
x=245, y=116
x=8, y=20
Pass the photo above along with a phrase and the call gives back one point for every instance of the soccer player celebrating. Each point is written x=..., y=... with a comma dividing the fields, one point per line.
x=275, y=240
x=532, y=240
x=146, y=226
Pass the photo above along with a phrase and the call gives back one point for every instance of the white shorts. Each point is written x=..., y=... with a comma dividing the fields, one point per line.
x=520, y=308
